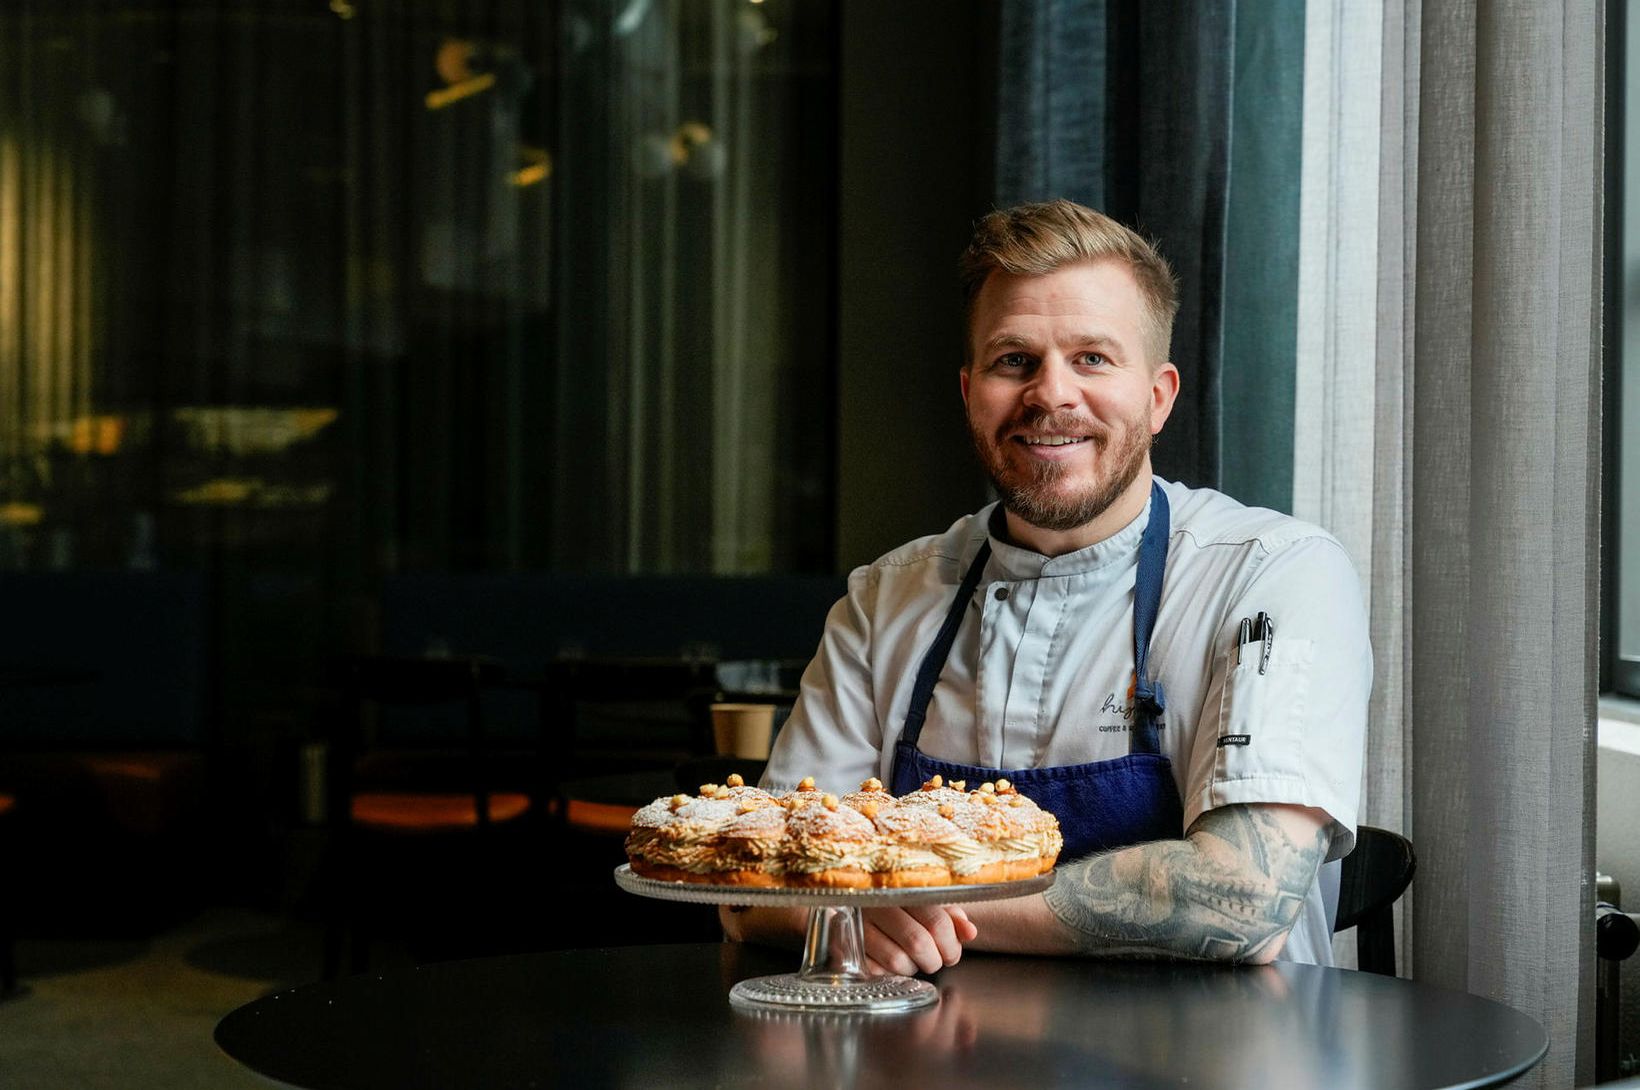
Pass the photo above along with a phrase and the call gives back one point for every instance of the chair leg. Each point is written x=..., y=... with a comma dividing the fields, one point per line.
x=8, y=935
x=8, y=949
x=1375, y=943
x=360, y=939
x=332, y=966
x=339, y=909
x=345, y=930
x=335, y=928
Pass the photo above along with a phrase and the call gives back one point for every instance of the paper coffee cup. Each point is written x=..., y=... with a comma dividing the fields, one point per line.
x=743, y=730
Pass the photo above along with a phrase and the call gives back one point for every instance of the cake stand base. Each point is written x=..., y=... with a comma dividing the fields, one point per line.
x=875, y=995
x=833, y=975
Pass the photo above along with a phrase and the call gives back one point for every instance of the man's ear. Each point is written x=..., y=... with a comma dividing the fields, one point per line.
x=1164, y=391
x=963, y=376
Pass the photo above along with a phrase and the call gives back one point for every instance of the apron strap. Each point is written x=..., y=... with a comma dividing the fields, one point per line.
x=1147, y=598
x=1148, y=697
x=928, y=673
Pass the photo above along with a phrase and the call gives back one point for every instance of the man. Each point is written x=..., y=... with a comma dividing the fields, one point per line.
x=1181, y=679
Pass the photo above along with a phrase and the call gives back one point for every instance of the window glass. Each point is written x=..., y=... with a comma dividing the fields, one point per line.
x=350, y=289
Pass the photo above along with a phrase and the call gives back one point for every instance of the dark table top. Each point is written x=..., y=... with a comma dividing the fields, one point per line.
x=646, y=1016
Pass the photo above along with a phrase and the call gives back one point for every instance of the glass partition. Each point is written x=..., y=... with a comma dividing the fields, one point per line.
x=337, y=290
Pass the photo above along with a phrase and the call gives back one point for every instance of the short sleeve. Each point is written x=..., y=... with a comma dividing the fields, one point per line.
x=1289, y=726
x=832, y=733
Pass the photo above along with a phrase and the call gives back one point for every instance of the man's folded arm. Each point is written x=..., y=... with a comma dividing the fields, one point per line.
x=1229, y=891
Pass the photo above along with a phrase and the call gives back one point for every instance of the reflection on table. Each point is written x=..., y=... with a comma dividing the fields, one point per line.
x=653, y=1016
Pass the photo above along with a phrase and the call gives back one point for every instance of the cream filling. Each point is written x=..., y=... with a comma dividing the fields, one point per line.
x=1019, y=847
x=967, y=856
x=760, y=849
x=812, y=857
x=695, y=857
x=689, y=834
x=892, y=857
x=763, y=854
x=958, y=849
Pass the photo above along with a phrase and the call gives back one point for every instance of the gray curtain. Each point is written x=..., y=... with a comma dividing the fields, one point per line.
x=1465, y=483
x=1351, y=379
x=693, y=239
x=1454, y=450
x=1505, y=507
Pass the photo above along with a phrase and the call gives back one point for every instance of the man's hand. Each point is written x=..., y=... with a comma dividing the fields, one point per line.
x=910, y=940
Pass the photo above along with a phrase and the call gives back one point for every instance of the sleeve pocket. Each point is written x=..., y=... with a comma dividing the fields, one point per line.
x=1261, y=715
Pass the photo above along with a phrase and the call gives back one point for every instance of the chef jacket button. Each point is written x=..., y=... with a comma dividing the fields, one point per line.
x=1002, y=594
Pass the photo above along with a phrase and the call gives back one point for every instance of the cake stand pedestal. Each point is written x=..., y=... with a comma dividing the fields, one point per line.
x=833, y=974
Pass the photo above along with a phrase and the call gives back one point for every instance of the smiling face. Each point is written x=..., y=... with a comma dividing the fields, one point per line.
x=1063, y=401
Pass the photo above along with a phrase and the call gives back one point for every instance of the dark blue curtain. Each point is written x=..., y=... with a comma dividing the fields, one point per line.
x=1141, y=110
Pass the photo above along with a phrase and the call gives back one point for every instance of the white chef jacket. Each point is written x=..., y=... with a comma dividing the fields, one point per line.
x=1041, y=670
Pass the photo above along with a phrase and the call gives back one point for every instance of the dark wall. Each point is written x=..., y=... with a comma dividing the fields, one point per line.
x=915, y=162
x=117, y=660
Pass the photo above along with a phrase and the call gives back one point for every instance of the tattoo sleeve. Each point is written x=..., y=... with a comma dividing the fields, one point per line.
x=1227, y=892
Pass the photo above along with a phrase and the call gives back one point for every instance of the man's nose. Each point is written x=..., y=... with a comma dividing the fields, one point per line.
x=1053, y=386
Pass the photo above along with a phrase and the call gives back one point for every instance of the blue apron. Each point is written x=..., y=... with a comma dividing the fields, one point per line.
x=1102, y=804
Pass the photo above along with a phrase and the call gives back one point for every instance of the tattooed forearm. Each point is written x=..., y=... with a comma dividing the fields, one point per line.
x=1228, y=892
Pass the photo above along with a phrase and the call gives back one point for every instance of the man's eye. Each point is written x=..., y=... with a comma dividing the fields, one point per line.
x=1012, y=361
x=1094, y=359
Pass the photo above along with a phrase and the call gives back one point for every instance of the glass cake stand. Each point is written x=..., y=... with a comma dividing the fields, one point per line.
x=833, y=975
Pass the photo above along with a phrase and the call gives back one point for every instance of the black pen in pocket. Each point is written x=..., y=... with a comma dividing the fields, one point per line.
x=1264, y=630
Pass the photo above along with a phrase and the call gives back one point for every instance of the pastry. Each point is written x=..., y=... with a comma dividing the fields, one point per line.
x=737, y=835
x=829, y=844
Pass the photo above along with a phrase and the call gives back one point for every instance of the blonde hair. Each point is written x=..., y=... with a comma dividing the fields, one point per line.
x=1037, y=239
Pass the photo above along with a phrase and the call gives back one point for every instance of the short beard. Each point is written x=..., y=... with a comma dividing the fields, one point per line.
x=1035, y=500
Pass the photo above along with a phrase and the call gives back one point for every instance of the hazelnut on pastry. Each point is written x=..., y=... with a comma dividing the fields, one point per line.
x=871, y=793
x=736, y=790
x=936, y=793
